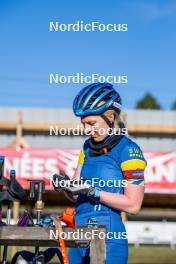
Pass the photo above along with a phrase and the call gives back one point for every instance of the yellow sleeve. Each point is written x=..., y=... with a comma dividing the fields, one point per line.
x=81, y=159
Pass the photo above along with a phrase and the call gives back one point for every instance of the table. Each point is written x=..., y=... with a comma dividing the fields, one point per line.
x=44, y=237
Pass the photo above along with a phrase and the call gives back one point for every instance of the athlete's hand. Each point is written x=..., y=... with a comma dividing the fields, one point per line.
x=63, y=183
x=59, y=180
x=75, y=187
x=84, y=189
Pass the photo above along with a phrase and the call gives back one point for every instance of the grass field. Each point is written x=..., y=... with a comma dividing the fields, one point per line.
x=140, y=255
x=152, y=255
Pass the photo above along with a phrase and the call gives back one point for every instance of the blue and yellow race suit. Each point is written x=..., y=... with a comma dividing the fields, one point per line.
x=108, y=172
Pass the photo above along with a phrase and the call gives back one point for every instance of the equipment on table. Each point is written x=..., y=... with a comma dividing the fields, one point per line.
x=10, y=190
x=39, y=205
x=37, y=188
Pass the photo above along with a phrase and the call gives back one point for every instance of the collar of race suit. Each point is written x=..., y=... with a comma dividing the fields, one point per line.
x=106, y=145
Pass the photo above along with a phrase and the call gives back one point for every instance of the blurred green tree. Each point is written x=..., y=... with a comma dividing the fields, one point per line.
x=148, y=102
x=173, y=106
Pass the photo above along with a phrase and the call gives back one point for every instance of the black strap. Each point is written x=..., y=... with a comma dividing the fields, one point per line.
x=47, y=255
x=111, y=125
x=4, y=181
x=5, y=196
x=14, y=191
x=26, y=255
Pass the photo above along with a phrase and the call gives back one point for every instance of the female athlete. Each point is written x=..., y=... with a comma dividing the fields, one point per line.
x=114, y=164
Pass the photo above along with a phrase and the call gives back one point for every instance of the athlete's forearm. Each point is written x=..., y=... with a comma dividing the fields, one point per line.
x=121, y=202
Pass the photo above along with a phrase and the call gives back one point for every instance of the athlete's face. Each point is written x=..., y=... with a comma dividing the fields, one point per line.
x=96, y=127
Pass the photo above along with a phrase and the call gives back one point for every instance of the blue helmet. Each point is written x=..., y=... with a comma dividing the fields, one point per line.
x=87, y=102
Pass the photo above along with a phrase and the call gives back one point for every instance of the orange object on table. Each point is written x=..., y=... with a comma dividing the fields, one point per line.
x=68, y=217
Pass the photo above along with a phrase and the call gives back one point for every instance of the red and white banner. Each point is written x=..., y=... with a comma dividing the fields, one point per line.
x=160, y=175
x=39, y=164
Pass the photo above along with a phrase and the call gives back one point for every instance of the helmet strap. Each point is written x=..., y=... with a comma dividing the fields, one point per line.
x=108, y=122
